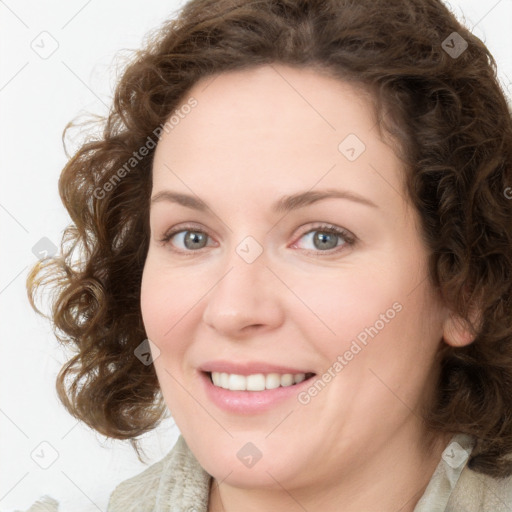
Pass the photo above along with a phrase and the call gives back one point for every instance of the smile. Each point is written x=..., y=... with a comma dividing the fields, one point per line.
x=248, y=394
x=256, y=381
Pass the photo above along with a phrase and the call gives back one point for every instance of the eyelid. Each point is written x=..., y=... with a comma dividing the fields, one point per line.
x=345, y=234
x=326, y=226
x=179, y=228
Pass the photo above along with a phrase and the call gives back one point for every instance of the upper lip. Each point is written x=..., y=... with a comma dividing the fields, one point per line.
x=248, y=368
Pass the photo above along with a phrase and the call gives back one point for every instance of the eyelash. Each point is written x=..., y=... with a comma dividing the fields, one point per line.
x=349, y=238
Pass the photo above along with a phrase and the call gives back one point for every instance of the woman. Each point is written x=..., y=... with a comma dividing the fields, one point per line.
x=342, y=338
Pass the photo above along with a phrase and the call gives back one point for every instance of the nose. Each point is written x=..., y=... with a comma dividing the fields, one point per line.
x=247, y=296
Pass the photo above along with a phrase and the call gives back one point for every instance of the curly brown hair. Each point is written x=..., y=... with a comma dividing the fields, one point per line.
x=453, y=126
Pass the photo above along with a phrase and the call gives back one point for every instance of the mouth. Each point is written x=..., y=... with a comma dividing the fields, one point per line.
x=252, y=388
x=256, y=381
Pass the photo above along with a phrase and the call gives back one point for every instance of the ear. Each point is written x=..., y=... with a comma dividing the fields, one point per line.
x=457, y=332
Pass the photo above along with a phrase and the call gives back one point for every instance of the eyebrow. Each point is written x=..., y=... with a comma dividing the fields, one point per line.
x=283, y=205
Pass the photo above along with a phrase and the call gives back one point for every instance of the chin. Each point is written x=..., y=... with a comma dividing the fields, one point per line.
x=260, y=464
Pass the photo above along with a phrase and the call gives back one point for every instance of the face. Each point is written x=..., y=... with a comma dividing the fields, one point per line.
x=272, y=287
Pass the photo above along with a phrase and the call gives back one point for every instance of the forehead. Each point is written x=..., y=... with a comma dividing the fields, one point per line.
x=275, y=127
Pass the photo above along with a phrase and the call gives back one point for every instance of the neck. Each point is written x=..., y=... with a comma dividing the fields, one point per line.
x=394, y=479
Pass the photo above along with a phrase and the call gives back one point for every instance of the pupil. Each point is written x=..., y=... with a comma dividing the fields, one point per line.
x=192, y=237
x=321, y=238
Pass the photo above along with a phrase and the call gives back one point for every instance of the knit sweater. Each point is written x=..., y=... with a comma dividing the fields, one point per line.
x=178, y=483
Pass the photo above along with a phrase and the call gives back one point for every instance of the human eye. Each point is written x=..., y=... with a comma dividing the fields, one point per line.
x=189, y=239
x=328, y=239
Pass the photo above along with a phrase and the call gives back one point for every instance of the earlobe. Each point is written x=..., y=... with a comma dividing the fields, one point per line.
x=457, y=332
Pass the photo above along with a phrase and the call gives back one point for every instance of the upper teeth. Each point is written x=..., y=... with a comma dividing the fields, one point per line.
x=255, y=382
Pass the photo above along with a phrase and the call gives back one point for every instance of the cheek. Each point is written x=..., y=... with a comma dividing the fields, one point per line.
x=344, y=306
x=152, y=298
x=381, y=316
x=171, y=305
x=162, y=307
x=161, y=316
x=166, y=296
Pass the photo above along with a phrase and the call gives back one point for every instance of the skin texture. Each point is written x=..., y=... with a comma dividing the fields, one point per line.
x=254, y=136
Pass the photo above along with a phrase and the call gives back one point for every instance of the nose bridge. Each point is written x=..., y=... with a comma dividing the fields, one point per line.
x=243, y=295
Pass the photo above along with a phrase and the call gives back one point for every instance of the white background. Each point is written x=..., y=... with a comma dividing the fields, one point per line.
x=37, y=98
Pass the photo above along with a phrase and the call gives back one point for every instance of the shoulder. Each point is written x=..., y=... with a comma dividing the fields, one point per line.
x=138, y=492
x=44, y=504
x=481, y=493
x=175, y=483
x=455, y=487
x=478, y=492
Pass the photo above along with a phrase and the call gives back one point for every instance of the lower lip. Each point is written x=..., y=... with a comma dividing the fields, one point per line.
x=250, y=402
